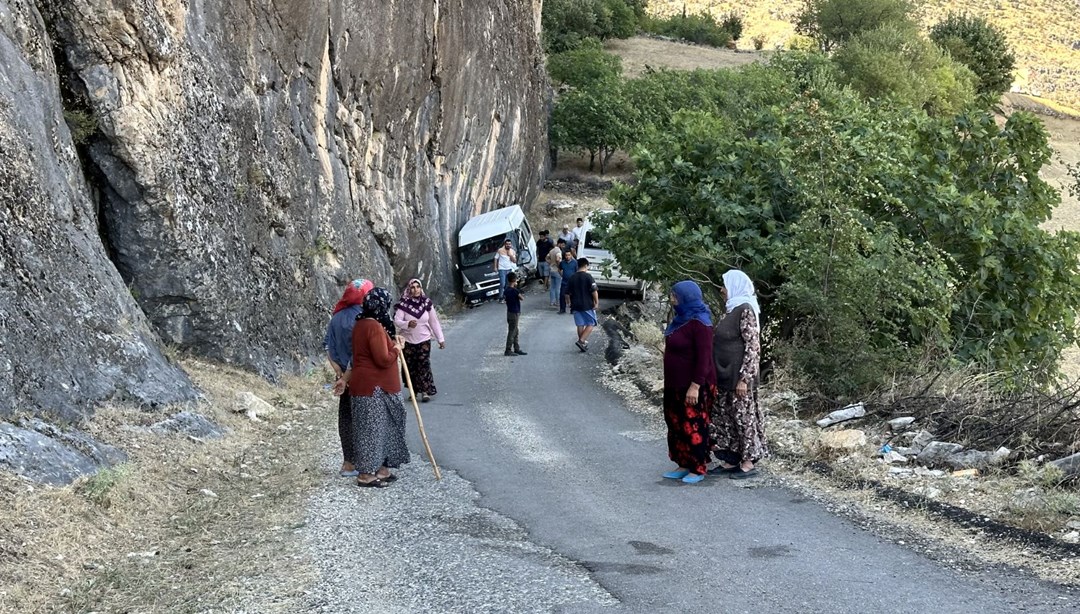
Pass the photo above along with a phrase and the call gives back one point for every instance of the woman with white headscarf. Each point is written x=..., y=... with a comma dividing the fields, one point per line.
x=738, y=427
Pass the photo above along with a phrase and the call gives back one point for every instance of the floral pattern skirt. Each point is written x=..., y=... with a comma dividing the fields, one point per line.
x=738, y=428
x=418, y=359
x=688, y=428
x=379, y=431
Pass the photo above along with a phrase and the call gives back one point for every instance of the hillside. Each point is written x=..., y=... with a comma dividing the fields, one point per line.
x=1043, y=33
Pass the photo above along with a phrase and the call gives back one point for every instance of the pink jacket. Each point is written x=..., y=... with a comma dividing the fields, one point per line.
x=427, y=326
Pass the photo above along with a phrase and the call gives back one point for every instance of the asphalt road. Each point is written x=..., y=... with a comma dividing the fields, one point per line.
x=547, y=446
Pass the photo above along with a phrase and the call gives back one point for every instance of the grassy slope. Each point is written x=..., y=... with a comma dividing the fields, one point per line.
x=1043, y=33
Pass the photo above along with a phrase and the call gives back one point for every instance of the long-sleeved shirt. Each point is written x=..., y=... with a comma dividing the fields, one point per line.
x=688, y=357
x=374, y=361
x=338, y=340
x=427, y=326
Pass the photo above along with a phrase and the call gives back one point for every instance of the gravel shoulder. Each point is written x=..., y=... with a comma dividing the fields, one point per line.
x=423, y=545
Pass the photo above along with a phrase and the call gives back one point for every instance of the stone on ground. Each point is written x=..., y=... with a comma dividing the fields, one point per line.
x=857, y=410
x=1070, y=464
x=937, y=453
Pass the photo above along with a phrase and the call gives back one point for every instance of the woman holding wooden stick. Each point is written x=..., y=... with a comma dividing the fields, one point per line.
x=374, y=384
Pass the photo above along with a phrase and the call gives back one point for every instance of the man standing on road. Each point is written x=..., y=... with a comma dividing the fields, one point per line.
x=543, y=246
x=513, y=314
x=505, y=262
x=583, y=300
x=554, y=262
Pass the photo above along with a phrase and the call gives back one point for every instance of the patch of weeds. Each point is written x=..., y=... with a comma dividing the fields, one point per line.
x=82, y=125
x=322, y=247
x=1046, y=476
x=98, y=487
x=256, y=176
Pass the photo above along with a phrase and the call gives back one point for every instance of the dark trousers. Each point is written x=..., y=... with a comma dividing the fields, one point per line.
x=512, y=332
x=562, y=295
x=345, y=427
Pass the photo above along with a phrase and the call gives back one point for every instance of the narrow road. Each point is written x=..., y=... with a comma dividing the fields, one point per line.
x=545, y=444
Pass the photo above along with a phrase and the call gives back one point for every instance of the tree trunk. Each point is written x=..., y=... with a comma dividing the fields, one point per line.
x=592, y=159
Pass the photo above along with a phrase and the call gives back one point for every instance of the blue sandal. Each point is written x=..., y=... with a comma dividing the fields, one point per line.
x=677, y=474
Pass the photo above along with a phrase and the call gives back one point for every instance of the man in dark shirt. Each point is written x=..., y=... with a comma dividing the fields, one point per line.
x=583, y=299
x=543, y=246
x=513, y=312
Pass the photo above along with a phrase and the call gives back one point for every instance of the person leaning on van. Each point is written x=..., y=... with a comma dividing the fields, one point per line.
x=505, y=263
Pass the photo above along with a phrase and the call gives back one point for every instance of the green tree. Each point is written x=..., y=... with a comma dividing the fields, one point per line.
x=981, y=47
x=833, y=22
x=874, y=231
x=579, y=67
x=567, y=24
x=897, y=62
x=596, y=118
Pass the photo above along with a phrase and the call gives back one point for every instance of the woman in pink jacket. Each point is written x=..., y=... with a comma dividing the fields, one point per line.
x=417, y=323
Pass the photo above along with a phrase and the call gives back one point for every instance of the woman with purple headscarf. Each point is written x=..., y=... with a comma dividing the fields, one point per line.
x=689, y=382
x=417, y=323
x=738, y=426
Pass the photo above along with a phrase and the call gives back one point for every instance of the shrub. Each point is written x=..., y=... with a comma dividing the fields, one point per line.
x=979, y=46
x=831, y=23
x=759, y=42
x=579, y=67
x=897, y=62
x=733, y=25
x=701, y=28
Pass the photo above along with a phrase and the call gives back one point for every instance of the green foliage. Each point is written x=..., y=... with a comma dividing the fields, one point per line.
x=897, y=62
x=98, y=487
x=981, y=47
x=857, y=287
x=701, y=28
x=875, y=233
x=596, y=118
x=82, y=125
x=567, y=24
x=580, y=67
x=833, y=22
x=733, y=24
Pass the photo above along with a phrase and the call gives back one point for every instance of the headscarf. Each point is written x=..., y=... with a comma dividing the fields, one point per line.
x=377, y=307
x=690, y=306
x=355, y=292
x=414, y=306
x=740, y=291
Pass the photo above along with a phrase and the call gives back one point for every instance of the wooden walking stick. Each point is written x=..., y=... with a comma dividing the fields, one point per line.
x=419, y=420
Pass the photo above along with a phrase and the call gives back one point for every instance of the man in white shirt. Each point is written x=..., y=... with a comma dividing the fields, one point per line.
x=579, y=236
x=505, y=263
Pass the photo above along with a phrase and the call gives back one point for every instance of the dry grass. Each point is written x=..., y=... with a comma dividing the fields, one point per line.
x=183, y=526
x=1042, y=33
x=640, y=52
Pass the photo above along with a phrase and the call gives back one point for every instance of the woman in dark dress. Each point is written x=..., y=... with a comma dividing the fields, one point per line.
x=689, y=382
x=374, y=384
x=738, y=426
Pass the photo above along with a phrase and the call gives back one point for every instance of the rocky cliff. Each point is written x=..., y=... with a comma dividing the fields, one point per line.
x=207, y=173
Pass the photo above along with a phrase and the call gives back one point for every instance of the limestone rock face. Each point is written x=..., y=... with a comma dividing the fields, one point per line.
x=226, y=166
x=70, y=332
x=252, y=157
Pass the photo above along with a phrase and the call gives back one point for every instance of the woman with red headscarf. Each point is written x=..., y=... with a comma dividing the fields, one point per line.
x=418, y=324
x=338, y=344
